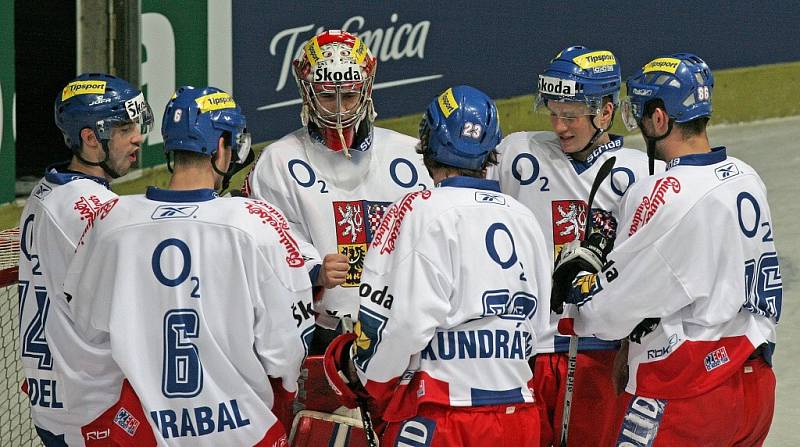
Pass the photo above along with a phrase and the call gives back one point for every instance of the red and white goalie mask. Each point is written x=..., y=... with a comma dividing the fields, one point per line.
x=334, y=73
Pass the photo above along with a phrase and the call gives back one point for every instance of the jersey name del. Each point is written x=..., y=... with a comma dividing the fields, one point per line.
x=62, y=208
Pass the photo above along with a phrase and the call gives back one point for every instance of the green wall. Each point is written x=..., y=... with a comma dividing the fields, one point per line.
x=7, y=149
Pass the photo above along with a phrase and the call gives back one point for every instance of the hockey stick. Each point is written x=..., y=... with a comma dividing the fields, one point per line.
x=572, y=359
x=366, y=419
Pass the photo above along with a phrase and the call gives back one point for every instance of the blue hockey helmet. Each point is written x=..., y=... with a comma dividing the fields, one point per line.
x=682, y=81
x=460, y=128
x=578, y=74
x=195, y=119
x=99, y=102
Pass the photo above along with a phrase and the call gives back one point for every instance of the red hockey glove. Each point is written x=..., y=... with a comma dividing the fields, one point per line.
x=340, y=372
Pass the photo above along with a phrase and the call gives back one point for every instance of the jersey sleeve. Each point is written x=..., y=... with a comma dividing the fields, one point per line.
x=405, y=296
x=283, y=317
x=87, y=278
x=649, y=275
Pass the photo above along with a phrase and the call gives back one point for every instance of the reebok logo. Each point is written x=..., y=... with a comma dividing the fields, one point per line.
x=174, y=211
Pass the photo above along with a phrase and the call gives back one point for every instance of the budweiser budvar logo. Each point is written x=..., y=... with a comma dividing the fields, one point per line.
x=91, y=209
x=394, y=42
x=392, y=220
x=647, y=209
x=275, y=219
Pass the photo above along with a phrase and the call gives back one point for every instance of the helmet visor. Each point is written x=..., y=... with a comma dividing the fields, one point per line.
x=630, y=114
x=137, y=111
x=241, y=145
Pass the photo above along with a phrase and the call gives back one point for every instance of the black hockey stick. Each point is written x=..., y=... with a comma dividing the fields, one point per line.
x=366, y=419
x=572, y=359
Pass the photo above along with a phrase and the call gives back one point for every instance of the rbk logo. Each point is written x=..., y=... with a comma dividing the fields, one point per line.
x=726, y=171
x=174, y=211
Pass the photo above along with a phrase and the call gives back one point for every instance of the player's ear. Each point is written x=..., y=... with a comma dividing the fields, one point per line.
x=88, y=137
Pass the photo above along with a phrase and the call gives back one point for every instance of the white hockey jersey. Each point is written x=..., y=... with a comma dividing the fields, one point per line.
x=449, y=294
x=695, y=249
x=335, y=203
x=535, y=171
x=203, y=298
x=63, y=206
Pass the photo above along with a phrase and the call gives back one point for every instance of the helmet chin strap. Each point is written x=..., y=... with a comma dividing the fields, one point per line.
x=651, y=145
x=103, y=164
x=598, y=131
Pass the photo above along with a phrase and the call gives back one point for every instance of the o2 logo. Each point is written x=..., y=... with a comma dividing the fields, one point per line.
x=402, y=172
x=525, y=168
x=762, y=276
x=182, y=371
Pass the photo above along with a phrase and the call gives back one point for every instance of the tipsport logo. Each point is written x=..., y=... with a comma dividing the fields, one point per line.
x=83, y=88
x=215, y=101
x=595, y=59
x=666, y=64
x=447, y=103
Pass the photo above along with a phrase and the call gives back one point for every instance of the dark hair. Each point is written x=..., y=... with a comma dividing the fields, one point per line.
x=431, y=164
x=189, y=158
x=688, y=129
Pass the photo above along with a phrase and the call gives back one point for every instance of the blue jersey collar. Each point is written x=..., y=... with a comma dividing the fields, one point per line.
x=717, y=154
x=58, y=174
x=471, y=182
x=580, y=166
x=168, y=195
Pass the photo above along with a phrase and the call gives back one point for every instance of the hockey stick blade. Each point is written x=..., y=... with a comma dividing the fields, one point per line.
x=572, y=359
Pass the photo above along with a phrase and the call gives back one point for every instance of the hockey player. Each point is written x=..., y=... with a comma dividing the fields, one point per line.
x=199, y=294
x=450, y=292
x=104, y=120
x=552, y=173
x=693, y=242
x=335, y=176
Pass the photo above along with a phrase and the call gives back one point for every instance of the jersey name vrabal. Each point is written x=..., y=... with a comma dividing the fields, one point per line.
x=695, y=248
x=203, y=298
x=450, y=292
x=335, y=203
x=61, y=209
x=535, y=171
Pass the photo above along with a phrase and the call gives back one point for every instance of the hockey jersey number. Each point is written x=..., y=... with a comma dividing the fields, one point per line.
x=182, y=372
x=34, y=343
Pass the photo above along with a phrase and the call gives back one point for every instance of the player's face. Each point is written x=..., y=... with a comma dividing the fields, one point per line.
x=348, y=101
x=572, y=123
x=123, y=147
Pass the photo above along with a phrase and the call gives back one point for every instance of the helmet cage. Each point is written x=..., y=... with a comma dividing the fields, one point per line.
x=338, y=117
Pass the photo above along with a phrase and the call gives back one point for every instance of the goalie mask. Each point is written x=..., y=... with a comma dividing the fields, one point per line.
x=334, y=73
x=99, y=102
x=194, y=121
